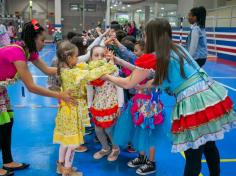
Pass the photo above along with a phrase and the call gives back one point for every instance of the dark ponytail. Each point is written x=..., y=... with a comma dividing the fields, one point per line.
x=200, y=13
x=29, y=33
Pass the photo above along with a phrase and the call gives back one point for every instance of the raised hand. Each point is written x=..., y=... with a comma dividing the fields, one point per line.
x=109, y=55
x=99, y=31
x=108, y=41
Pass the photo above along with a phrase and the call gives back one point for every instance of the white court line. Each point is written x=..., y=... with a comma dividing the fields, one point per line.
x=231, y=88
x=224, y=77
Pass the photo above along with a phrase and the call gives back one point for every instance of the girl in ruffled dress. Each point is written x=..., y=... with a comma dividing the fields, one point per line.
x=140, y=121
x=203, y=110
x=105, y=101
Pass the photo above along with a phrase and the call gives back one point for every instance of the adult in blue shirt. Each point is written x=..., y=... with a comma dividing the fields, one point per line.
x=197, y=42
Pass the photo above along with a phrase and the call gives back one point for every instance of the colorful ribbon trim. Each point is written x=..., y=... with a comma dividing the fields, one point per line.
x=104, y=112
x=202, y=117
x=104, y=124
x=139, y=119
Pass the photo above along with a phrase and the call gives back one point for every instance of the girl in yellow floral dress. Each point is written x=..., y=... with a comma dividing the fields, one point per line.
x=69, y=129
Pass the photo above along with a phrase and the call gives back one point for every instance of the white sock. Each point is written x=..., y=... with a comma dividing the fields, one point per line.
x=62, y=153
x=69, y=156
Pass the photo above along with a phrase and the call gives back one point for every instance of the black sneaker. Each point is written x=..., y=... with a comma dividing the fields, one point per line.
x=140, y=160
x=148, y=168
x=130, y=149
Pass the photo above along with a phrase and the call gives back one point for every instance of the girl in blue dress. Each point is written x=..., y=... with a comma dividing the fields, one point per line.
x=139, y=123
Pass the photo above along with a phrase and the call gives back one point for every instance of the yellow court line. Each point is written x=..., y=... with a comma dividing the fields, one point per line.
x=182, y=153
x=224, y=160
x=221, y=160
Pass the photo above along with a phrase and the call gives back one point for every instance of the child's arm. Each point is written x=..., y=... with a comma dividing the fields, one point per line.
x=126, y=54
x=97, y=41
x=137, y=76
x=90, y=94
x=148, y=84
x=124, y=63
x=120, y=97
x=99, y=68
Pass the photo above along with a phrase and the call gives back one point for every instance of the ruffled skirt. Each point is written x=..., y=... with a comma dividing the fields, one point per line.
x=203, y=112
x=126, y=131
x=5, y=109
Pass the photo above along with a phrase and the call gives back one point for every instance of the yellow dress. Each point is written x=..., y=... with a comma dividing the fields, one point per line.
x=71, y=120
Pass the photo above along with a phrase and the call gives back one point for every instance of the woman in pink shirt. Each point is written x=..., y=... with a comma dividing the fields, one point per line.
x=13, y=64
x=132, y=29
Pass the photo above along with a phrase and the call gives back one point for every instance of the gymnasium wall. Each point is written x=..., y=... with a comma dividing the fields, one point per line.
x=221, y=41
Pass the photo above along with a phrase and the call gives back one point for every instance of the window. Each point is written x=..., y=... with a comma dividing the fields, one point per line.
x=90, y=7
x=74, y=7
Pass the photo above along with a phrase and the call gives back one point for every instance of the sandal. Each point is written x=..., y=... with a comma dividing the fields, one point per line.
x=81, y=149
x=100, y=154
x=21, y=167
x=113, y=155
x=70, y=172
x=59, y=167
x=7, y=173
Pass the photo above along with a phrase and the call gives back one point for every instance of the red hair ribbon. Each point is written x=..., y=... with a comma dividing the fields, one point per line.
x=34, y=22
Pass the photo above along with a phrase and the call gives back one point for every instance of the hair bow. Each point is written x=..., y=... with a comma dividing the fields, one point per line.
x=34, y=22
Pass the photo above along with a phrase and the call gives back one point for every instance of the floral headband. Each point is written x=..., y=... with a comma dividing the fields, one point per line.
x=35, y=23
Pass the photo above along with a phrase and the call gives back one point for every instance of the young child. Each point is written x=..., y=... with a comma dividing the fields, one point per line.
x=4, y=37
x=139, y=122
x=105, y=108
x=53, y=80
x=139, y=48
x=69, y=130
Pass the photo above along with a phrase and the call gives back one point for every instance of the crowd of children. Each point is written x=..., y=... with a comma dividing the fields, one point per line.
x=107, y=103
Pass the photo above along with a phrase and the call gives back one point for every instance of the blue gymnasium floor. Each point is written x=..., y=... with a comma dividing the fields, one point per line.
x=34, y=124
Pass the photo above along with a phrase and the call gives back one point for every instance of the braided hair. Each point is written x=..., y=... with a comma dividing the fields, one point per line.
x=64, y=49
x=29, y=33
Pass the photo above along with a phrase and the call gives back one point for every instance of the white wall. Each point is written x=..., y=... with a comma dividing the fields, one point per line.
x=183, y=7
x=41, y=8
x=206, y=3
x=72, y=19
